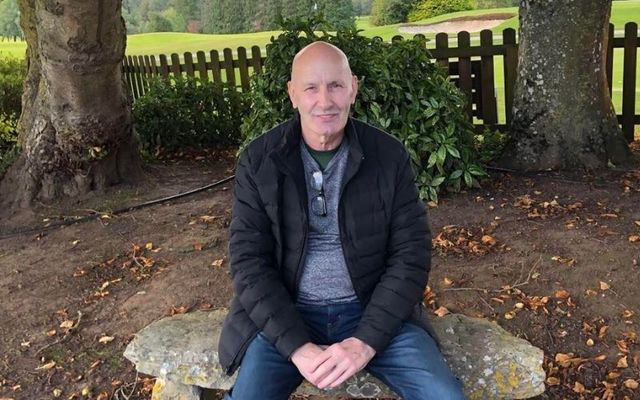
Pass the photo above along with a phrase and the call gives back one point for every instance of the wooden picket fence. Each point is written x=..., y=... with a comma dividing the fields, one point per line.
x=470, y=67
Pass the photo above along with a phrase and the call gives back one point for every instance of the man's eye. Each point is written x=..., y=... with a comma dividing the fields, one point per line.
x=309, y=88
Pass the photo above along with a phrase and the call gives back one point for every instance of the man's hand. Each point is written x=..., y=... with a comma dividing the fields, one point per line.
x=303, y=358
x=339, y=362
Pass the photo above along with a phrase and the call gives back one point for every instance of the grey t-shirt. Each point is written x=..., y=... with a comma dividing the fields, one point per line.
x=325, y=278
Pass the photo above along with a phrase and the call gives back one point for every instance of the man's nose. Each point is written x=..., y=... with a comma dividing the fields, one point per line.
x=324, y=97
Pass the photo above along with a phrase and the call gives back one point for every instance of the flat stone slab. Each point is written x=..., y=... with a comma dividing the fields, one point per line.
x=492, y=364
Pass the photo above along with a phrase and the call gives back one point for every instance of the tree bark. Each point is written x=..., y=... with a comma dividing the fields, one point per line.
x=75, y=130
x=563, y=115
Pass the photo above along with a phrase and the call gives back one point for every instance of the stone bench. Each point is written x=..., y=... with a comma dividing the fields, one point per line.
x=181, y=351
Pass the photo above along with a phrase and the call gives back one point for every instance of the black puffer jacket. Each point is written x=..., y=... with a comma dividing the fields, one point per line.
x=383, y=227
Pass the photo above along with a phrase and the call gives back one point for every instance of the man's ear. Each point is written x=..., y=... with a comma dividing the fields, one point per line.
x=291, y=92
x=354, y=88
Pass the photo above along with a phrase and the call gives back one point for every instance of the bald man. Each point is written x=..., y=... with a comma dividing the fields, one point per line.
x=329, y=251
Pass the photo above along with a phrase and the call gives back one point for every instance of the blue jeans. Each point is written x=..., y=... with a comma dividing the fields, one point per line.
x=411, y=365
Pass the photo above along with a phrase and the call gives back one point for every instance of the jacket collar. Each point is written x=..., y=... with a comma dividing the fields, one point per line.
x=287, y=153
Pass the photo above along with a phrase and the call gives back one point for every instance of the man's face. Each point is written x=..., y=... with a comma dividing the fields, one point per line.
x=322, y=89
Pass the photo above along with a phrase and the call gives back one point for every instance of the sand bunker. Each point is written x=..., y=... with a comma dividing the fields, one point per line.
x=469, y=24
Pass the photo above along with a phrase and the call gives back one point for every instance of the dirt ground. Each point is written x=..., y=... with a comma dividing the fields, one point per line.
x=553, y=258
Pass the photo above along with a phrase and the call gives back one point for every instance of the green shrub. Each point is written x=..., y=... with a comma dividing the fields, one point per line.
x=8, y=141
x=430, y=8
x=480, y=4
x=12, y=75
x=490, y=144
x=386, y=12
x=401, y=91
x=188, y=112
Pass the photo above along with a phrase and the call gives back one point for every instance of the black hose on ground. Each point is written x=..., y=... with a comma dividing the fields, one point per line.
x=116, y=212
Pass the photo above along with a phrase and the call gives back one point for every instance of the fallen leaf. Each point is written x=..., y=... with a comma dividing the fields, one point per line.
x=68, y=324
x=603, y=331
x=24, y=344
x=590, y=292
x=447, y=281
x=609, y=215
x=47, y=366
x=488, y=240
x=562, y=294
x=519, y=305
x=51, y=333
x=631, y=384
x=149, y=246
x=637, y=223
x=197, y=246
x=553, y=381
x=590, y=342
x=57, y=392
x=106, y=339
x=441, y=311
x=613, y=375
x=510, y=315
x=600, y=357
x=634, y=238
x=86, y=391
x=218, y=262
x=103, y=396
x=622, y=346
x=627, y=314
x=95, y=364
x=604, y=285
x=207, y=219
x=578, y=387
x=622, y=363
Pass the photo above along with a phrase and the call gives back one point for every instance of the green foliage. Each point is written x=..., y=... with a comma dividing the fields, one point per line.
x=9, y=18
x=386, y=12
x=9, y=149
x=490, y=145
x=158, y=23
x=188, y=112
x=495, y=3
x=431, y=8
x=12, y=75
x=419, y=106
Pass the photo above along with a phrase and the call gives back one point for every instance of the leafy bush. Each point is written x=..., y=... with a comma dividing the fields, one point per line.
x=8, y=141
x=12, y=75
x=490, y=144
x=187, y=112
x=418, y=105
x=385, y=12
x=496, y=3
x=430, y=8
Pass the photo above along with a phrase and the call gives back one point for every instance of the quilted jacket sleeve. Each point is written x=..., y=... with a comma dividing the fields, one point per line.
x=408, y=260
x=256, y=279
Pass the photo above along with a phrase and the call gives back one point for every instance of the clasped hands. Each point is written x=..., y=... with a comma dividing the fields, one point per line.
x=327, y=367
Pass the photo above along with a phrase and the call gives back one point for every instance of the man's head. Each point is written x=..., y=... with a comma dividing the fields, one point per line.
x=322, y=88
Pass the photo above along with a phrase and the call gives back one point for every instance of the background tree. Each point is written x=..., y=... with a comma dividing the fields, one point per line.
x=385, y=12
x=9, y=19
x=362, y=7
x=158, y=23
x=563, y=115
x=75, y=130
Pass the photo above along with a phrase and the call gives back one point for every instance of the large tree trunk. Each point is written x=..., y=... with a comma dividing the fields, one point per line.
x=75, y=130
x=563, y=115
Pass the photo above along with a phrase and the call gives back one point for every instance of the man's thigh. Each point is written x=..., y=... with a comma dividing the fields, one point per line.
x=413, y=367
x=264, y=374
